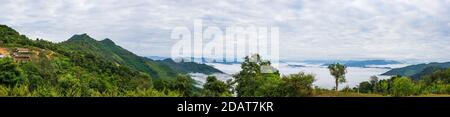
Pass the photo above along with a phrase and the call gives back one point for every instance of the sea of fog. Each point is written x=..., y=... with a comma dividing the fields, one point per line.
x=354, y=75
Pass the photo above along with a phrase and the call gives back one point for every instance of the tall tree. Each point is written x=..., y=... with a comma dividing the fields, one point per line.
x=338, y=71
x=255, y=79
x=373, y=83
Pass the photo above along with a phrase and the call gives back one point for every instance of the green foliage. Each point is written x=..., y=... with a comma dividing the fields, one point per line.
x=216, y=88
x=347, y=89
x=365, y=87
x=72, y=70
x=20, y=90
x=297, y=85
x=438, y=76
x=150, y=92
x=10, y=73
x=4, y=91
x=412, y=70
x=187, y=67
x=106, y=50
x=431, y=82
x=10, y=36
x=258, y=79
x=383, y=87
x=402, y=87
x=437, y=82
x=185, y=85
x=46, y=91
x=182, y=84
x=251, y=81
x=338, y=71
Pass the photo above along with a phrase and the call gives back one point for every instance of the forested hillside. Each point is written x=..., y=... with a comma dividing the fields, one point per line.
x=82, y=66
x=415, y=70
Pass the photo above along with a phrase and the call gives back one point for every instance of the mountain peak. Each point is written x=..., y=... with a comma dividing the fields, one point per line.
x=6, y=29
x=108, y=41
x=9, y=35
x=79, y=37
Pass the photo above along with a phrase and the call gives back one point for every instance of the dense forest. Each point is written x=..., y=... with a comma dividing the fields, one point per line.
x=83, y=66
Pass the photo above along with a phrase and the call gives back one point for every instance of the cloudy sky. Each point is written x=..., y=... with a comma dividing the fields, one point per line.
x=309, y=29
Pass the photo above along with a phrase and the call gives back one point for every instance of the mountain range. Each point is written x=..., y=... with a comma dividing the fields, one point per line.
x=359, y=63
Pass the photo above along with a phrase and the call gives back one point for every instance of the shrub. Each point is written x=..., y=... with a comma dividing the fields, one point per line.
x=403, y=87
x=296, y=85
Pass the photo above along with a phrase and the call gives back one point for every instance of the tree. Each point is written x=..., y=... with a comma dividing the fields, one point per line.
x=364, y=87
x=383, y=87
x=296, y=85
x=162, y=84
x=257, y=77
x=402, y=87
x=185, y=85
x=10, y=73
x=31, y=72
x=373, y=83
x=438, y=76
x=338, y=72
x=215, y=88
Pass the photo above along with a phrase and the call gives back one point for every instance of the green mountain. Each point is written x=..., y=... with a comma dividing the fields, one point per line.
x=417, y=70
x=108, y=50
x=426, y=72
x=189, y=67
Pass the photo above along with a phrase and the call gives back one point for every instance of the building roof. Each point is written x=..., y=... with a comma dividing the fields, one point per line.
x=3, y=51
x=22, y=49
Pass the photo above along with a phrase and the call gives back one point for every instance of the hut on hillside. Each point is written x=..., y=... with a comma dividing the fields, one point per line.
x=22, y=54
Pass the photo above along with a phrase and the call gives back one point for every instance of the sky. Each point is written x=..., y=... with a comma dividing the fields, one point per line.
x=416, y=30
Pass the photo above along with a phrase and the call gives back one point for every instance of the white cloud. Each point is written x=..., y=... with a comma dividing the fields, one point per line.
x=309, y=29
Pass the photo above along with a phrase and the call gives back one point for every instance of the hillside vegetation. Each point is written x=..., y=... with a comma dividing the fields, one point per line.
x=83, y=66
x=416, y=69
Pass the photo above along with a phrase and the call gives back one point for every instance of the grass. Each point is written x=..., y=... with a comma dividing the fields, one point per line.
x=355, y=94
x=345, y=94
x=433, y=95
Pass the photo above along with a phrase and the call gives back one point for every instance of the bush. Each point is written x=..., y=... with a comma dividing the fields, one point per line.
x=296, y=85
x=20, y=90
x=46, y=91
x=10, y=73
x=403, y=87
x=365, y=87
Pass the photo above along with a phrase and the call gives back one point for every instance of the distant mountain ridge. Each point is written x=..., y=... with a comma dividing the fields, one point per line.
x=156, y=57
x=363, y=63
x=415, y=71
